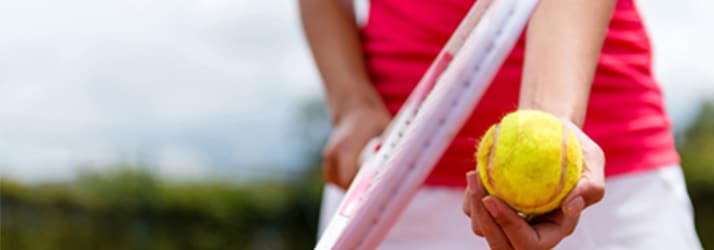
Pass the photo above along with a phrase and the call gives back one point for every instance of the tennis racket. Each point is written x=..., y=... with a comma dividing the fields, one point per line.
x=395, y=166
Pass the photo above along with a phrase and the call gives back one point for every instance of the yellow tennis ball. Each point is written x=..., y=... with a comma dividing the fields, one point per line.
x=530, y=160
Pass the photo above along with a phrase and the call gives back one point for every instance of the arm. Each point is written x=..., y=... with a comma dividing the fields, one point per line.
x=562, y=51
x=564, y=40
x=334, y=39
x=357, y=111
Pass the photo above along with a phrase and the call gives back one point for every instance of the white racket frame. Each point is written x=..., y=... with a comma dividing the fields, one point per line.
x=427, y=123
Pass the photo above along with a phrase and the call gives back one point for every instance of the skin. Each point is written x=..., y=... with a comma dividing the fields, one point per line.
x=564, y=39
x=357, y=111
x=563, y=45
x=503, y=228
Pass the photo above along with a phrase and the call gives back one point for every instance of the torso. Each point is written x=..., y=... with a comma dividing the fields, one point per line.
x=625, y=113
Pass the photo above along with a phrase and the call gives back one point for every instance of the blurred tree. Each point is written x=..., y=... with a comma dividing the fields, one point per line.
x=130, y=209
x=697, y=150
x=126, y=208
x=697, y=153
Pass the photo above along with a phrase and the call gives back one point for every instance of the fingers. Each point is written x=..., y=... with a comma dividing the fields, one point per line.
x=555, y=227
x=591, y=187
x=593, y=156
x=471, y=195
x=340, y=160
x=329, y=161
x=351, y=133
x=574, y=207
x=336, y=169
x=466, y=204
x=519, y=233
x=545, y=234
x=481, y=221
x=503, y=228
x=347, y=168
x=587, y=192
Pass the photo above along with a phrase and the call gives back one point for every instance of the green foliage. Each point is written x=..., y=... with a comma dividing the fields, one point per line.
x=126, y=209
x=130, y=209
x=697, y=152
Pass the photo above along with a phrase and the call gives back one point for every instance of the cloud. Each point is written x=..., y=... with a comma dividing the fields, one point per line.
x=209, y=87
x=215, y=82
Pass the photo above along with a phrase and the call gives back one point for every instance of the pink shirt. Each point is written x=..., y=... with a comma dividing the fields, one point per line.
x=625, y=115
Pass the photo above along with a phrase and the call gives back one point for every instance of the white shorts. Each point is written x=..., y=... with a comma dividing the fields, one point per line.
x=649, y=210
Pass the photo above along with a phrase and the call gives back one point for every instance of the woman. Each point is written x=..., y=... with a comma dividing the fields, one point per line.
x=577, y=57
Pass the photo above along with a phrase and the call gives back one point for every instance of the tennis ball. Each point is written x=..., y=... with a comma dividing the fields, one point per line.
x=530, y=160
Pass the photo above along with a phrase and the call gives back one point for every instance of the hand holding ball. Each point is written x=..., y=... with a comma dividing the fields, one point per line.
x=530, y=160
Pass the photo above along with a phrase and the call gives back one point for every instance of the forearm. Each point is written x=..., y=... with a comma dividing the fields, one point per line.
x=334, y=39
x=563, y=44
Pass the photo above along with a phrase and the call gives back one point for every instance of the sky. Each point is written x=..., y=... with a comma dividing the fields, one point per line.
x=211, y=88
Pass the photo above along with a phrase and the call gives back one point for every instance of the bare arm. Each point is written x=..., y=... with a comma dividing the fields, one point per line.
x=335, y=43
x=358, y=113
x=564, y=40
x=562, y=50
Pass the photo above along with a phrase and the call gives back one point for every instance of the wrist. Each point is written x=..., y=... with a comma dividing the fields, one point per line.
x=570, y=113
x=355, y=101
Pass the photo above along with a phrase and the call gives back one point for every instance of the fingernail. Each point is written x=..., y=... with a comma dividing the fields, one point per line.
x=490, y=205
x=575, y=206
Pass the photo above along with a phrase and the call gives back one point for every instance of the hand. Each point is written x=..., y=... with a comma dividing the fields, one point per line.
x=503, y=228
x=352, y=132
